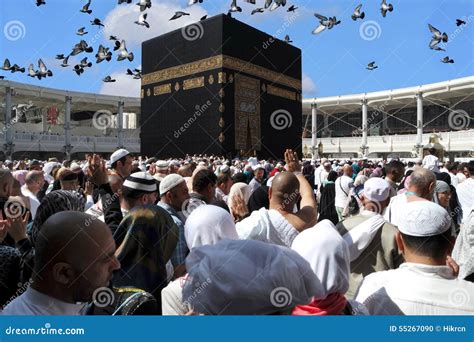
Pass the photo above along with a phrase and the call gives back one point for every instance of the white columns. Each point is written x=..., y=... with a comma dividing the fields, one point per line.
x=120, y=124
x=419, y=125
x=364, y=146
x=314, y=130
x=67, y=127
x=8, y=147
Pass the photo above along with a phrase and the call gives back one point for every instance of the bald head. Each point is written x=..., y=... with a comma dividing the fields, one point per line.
x=347, y=170
x=68, y=236
x=115, y=182
x=284, y=186
x=423, y=182
x=6, y=181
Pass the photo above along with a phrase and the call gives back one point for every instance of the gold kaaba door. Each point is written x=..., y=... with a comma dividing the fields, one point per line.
x=247, y=114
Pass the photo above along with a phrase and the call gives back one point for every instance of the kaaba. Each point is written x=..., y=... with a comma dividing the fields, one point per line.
x=220, y=87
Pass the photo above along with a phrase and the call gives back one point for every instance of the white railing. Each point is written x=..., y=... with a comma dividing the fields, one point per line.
x=456, y=141
x=35, y=142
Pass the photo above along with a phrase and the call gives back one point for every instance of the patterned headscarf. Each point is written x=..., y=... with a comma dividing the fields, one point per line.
x=55, y=202
x=148, y=237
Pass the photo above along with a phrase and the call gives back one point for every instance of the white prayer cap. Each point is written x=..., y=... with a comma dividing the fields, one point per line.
x=169, y=182
x=376, y=189
x=424, y=218
x=224, y=168
x=175, y=163
x=140, y=181
x=75, y=167
x=257, y=167
x=119, y=154
x=323, y=160
x=162, y=164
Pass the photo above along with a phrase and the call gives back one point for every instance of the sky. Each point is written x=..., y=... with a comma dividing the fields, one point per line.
x=334, y=61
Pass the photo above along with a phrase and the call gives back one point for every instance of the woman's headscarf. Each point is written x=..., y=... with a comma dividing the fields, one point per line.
x=241, y=189
x=442, y=186
x=327, y=253
x=55, y=202
x=149, y=240
x=247, y=277
x=207, y=225
x=153, y=218
x=20, y=176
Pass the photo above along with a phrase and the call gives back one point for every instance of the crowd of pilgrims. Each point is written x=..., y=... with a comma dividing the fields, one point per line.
x=205, y=235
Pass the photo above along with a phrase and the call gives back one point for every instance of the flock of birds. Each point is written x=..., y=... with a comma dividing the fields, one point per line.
x=103, y=54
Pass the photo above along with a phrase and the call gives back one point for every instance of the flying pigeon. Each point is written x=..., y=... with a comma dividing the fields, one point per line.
x=371, y=66
x=178, y=15
x=192, y=2
x=103, y=54
x=357, y=14
x=257, y=10
x=136, y=73
x=16, y=68
x=325, y=23
x=108, y=79
x=85, y=8
x=124, y=1
x=287, y=39
x=8, y=67
x=84, y=63
x=437, y=38
x=60, y=56
x=460, y=22
x=42, y=72
x=78, y=69
x=113, y=38
x=123, y=53
x=40, y=2
x=144, y=4
x=384, y=8
x=142, y=20
x=81, y=47
x=292, y=8
x=64, y=63
x=268, y=3
x=276, y=4
x=97, y=22
x=447, y=60
x=234, y=7
x=203, y=18
x=81, y=31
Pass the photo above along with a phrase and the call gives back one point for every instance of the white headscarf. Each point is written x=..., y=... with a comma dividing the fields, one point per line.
x=207, y=225
x=241, y=189
x=327, y=253
x=236, y=277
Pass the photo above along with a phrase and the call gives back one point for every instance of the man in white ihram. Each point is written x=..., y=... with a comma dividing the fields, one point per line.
x=424, y=284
